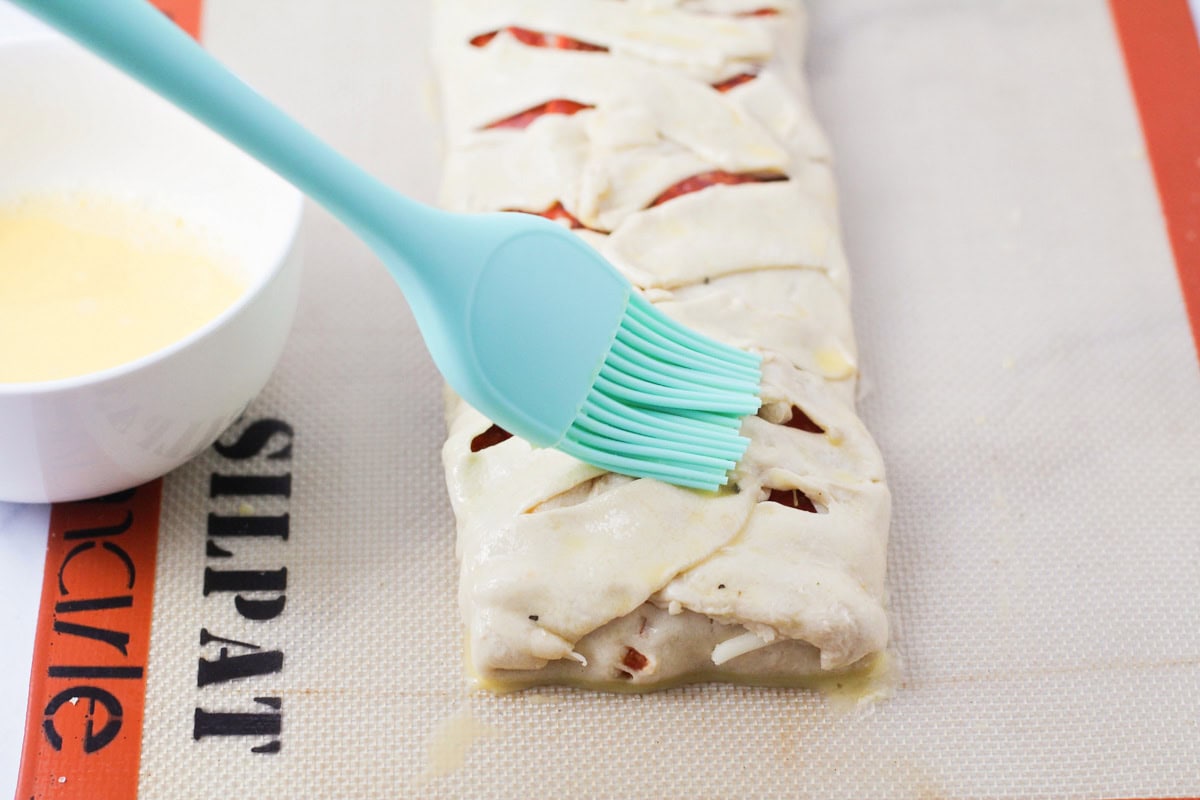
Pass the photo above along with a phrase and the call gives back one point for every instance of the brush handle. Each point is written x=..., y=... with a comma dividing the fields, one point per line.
x=135, y=37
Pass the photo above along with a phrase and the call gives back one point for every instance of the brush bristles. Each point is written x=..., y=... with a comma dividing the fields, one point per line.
x=667, y=403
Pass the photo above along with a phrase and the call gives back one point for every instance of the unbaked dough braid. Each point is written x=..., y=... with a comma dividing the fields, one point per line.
x=676, y=138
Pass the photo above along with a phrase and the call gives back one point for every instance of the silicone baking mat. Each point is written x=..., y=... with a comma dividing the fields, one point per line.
x=1029, y=372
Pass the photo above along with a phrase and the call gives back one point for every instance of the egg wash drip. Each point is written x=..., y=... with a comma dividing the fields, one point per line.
x=89, y=283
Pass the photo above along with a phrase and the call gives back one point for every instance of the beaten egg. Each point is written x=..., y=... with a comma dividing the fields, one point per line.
x=90, y=283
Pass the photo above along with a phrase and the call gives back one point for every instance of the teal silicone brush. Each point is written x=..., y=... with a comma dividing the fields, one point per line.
x=525, y=321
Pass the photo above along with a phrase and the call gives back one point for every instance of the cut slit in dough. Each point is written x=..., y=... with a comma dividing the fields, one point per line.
x=570, y=575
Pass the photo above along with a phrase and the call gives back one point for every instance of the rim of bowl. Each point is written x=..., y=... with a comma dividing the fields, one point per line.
x=279, y=257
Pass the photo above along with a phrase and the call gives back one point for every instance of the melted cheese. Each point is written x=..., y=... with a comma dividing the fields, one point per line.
x=572, y=576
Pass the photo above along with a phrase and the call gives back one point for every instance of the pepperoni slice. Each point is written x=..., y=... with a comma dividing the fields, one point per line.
x=715, y=178
x=793, y=498
x=554, y=41
x=557, y=213
x=736, y=80
x=525, y=118
x=489, y=438
x=634, y=660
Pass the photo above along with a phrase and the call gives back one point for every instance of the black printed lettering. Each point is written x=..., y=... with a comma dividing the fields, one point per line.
x=238, y=580
x=101, y=531
x=228, y=667
x=93, y=740
x=250, y=485
x=93, y=604
x=258, y=595
x=249, y=581
x=255, y=438
x=210, y=723
x=117, y=639
x=248, y=526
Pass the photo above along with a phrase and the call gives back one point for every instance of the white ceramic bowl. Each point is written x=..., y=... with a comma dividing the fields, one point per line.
x=71, y=123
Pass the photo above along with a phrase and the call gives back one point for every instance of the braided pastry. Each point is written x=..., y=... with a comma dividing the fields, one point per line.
x=674, y=136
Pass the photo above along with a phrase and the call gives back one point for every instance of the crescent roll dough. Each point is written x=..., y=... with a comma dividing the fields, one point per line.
x=674, y=136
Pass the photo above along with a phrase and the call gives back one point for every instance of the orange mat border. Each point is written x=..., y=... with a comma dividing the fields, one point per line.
x=87, y=687
x=1162, y=57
